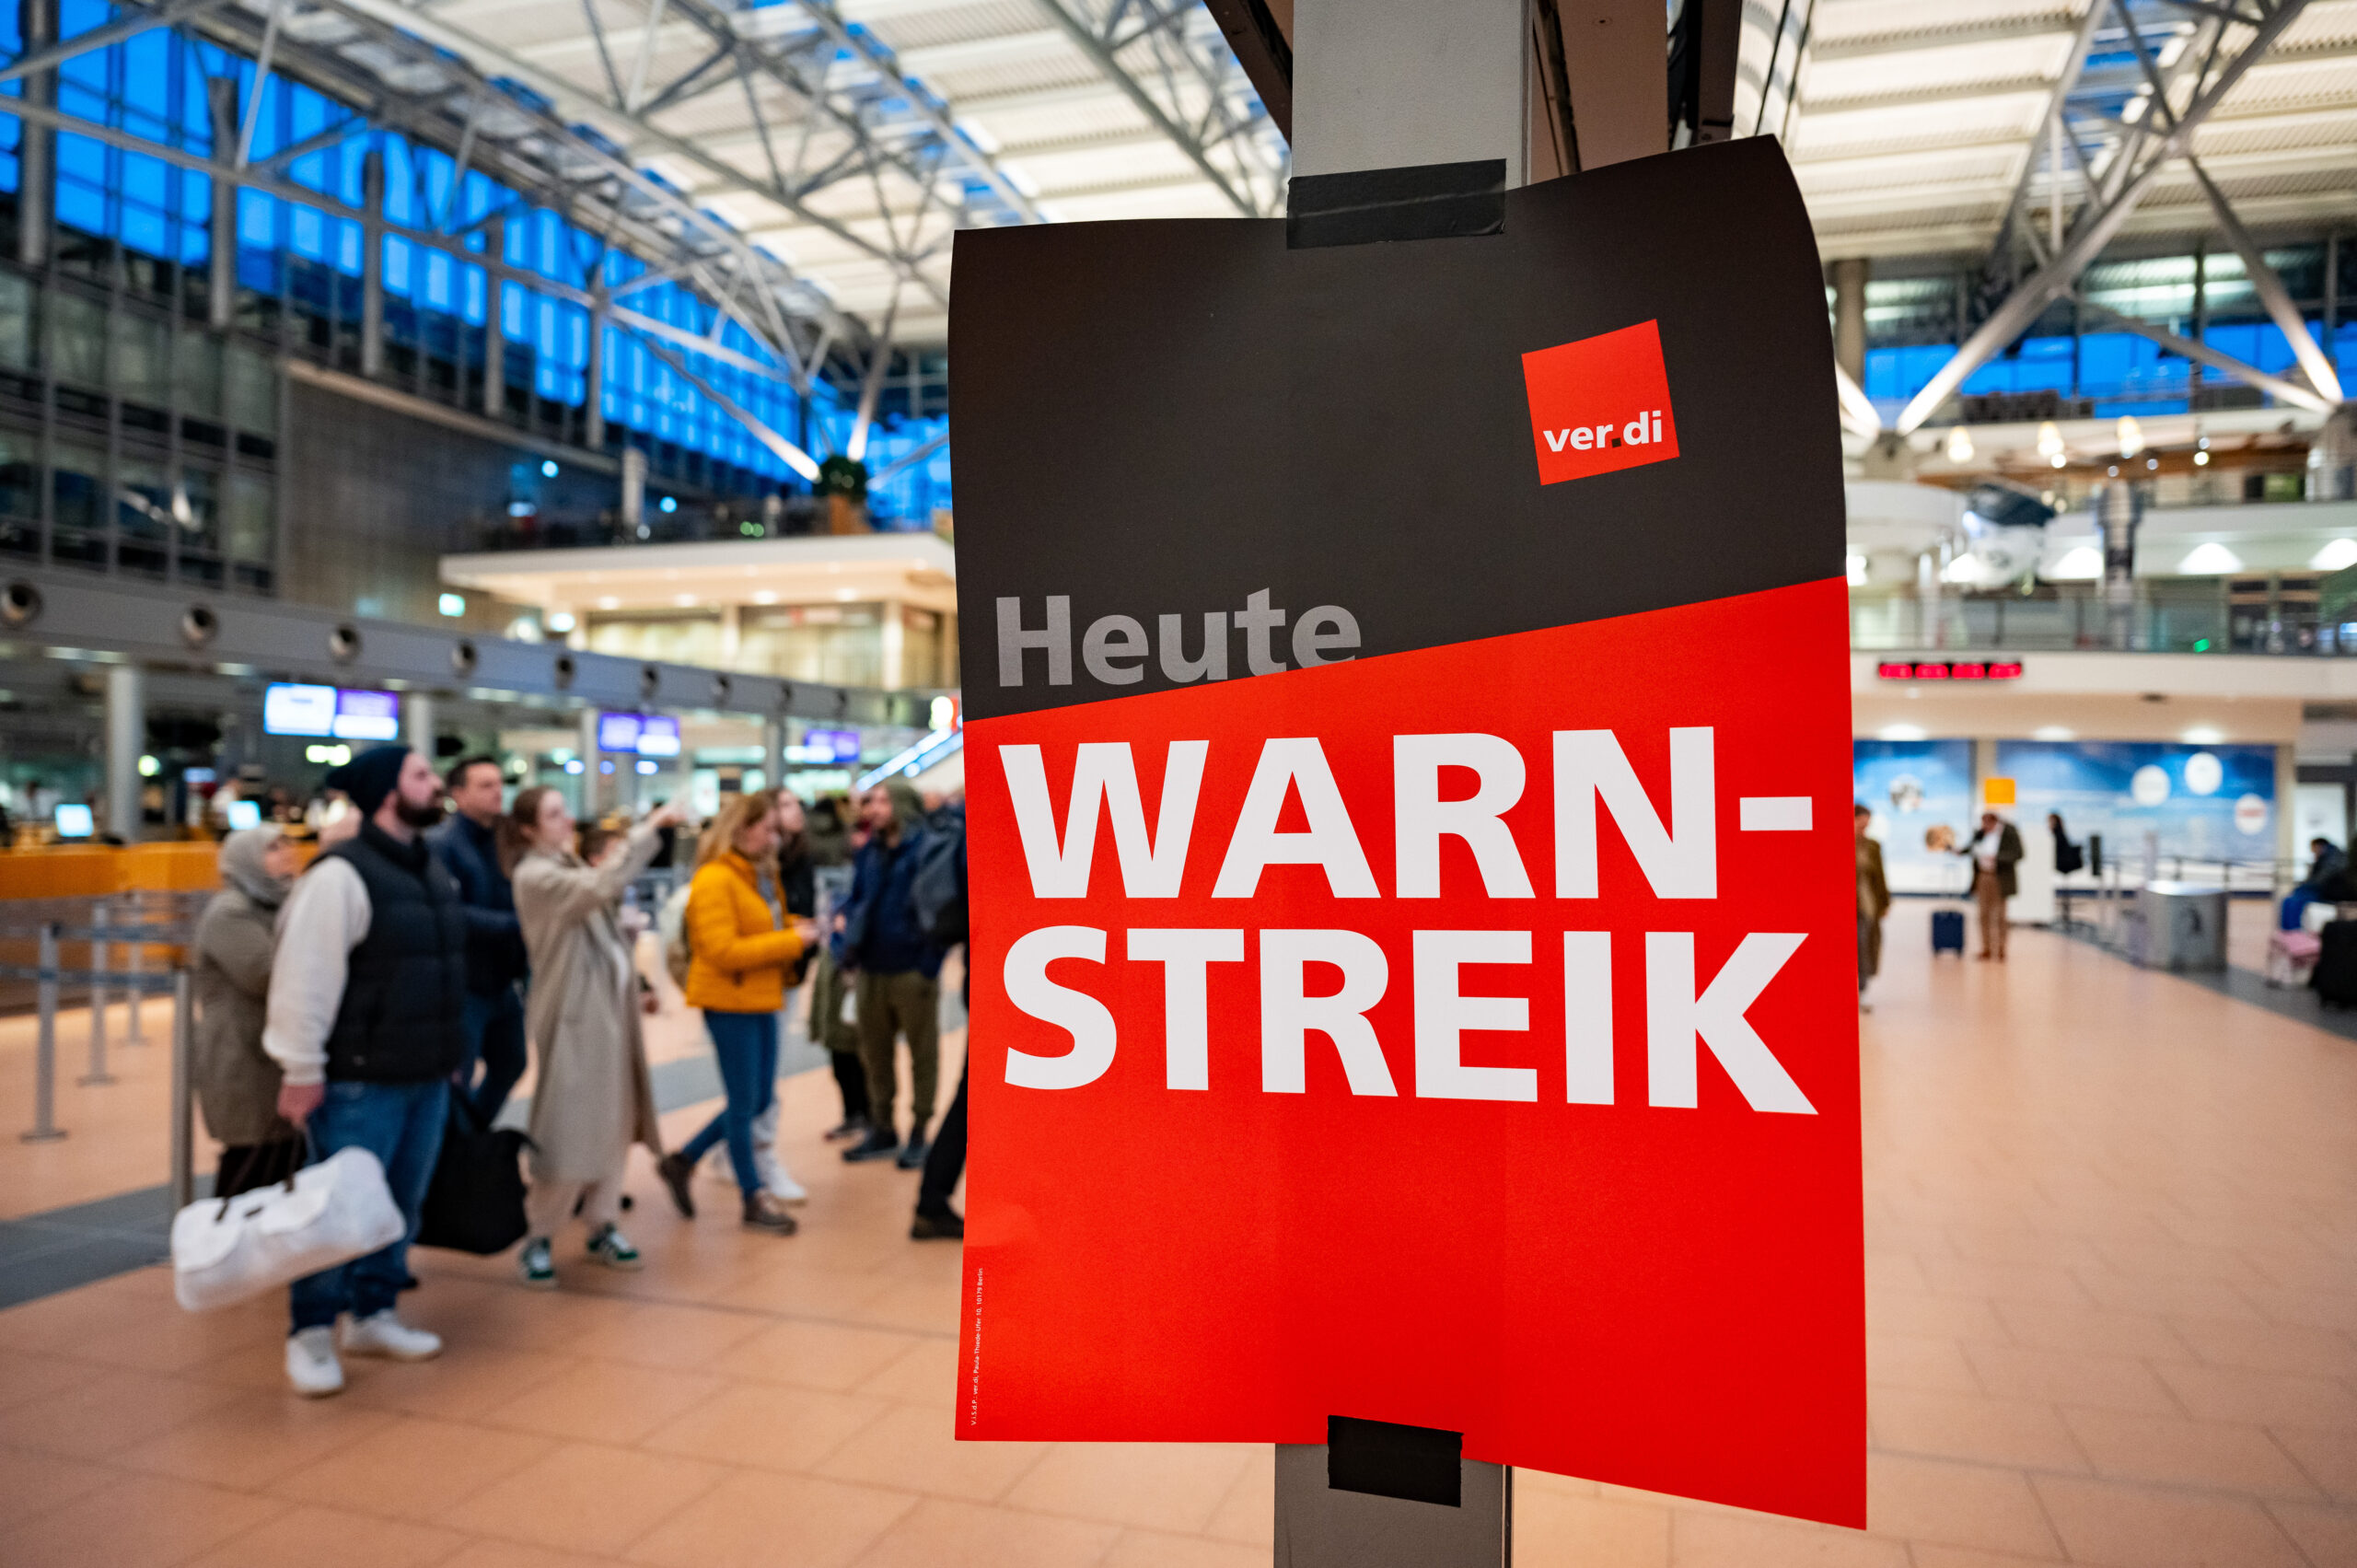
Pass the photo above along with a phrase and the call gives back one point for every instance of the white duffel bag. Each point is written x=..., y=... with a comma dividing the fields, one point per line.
x=226, y=1250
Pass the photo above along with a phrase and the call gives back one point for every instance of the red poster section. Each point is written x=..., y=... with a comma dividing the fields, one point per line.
x=1632, y=1254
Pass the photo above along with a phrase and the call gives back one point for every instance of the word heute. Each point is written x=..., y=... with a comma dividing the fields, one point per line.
x=1679, y=860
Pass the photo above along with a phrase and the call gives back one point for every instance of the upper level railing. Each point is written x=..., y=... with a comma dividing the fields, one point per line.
x=2174, y=626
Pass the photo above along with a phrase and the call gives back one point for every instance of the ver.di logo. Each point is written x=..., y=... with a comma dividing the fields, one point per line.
x=1601, y=404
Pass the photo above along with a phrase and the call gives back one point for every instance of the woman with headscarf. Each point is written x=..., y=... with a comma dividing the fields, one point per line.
x=236, y=1083
x=593, y=1098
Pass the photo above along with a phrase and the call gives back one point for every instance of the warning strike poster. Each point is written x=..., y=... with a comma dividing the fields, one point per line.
x=1414, y=955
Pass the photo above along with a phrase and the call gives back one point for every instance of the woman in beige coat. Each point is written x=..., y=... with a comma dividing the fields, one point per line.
x=593, y=1098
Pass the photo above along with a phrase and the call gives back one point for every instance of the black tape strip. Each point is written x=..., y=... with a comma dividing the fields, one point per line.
x=1432, y=201
x=1381, y=1457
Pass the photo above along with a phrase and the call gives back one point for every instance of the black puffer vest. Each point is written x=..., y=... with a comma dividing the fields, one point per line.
x=400, y=1020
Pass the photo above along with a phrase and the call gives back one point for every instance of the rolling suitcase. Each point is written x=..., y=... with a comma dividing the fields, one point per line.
x=2335, y=976
x=1947, y=932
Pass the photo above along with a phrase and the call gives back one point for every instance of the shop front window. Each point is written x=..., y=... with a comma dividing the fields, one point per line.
x=77, y=497
x=77, y=340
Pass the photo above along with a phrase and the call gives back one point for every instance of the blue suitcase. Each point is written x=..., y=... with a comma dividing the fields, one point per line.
x=1947, y=932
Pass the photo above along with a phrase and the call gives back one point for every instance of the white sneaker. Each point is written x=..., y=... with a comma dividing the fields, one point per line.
x=385, y=1334
x=781, y=1182
x=311, y=1365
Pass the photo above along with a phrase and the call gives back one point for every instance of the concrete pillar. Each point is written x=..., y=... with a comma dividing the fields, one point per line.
x=633, y=488
x=372, y=264
x=731, y=634
x=1850, y=317
x=36, y=153
x=495, y=335
x=585, y=806
x=126, y=742
x=1394, y=84
x=774, y=754
x=593, y=397
x=417, y=722
x=894, y=642
x=221, y=287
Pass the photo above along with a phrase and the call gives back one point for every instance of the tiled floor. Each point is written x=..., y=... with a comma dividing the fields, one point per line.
x=2112, y=1303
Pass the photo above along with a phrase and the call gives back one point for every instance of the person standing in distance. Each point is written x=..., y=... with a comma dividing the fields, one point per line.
x=1993, y=852
x=497, y=962
x=1873, y=901
x=366, y=994
x=896, y=971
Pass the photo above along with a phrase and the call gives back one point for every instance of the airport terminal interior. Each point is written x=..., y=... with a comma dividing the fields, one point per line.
x=561, y=390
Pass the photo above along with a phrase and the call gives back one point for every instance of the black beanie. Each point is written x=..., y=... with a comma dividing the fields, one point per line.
x=370, y=776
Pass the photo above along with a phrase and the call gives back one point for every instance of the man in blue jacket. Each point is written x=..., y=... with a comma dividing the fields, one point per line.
x=896, y=969
x=468, y=847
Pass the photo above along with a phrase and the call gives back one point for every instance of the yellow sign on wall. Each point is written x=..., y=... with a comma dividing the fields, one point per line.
x=1997, y=792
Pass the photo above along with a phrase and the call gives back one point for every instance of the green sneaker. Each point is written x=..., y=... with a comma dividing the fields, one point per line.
x=611, y=1248
x=535, y=1267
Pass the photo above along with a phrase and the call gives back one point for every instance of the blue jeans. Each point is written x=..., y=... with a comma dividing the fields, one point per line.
x=402, y=1125
x=494, y=1035
x=745, y=1047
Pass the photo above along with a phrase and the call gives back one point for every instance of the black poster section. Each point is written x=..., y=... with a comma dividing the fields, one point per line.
x=1171, y=417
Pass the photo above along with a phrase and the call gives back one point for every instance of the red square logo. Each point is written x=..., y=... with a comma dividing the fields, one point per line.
x=1599, y=404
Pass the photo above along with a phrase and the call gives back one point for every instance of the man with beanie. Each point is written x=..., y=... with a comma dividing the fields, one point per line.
x=896, y=968
x=366, y=1021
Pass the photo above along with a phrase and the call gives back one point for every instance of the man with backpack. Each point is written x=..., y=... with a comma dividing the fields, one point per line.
x=941, y=911
x=896, y=969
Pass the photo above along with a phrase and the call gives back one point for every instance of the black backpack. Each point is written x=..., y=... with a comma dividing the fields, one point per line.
x=939, y=890
x=475, y=1202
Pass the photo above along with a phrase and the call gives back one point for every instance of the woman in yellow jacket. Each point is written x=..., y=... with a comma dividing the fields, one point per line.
x=738, y=956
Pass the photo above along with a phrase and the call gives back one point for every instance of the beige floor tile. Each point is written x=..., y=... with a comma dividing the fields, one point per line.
x=2328, y=1459
x=1916, y=1361
x=802, y=1289
x=920, y=1305
x=1998, y=1283
x=2103, y=1382
x=415, y=1468
x=2092, y=1331
x=2124, y=1526
x=681, y=1338
x=1733, y=1540
x=2270, y=1347
x=816, y=1355
x=1248, y=1513
x=1934, y=1317
x=911, y=1448
x=178, y=1341
x=1962, y=1557
x=516, y=1554
x=2327, y=1535
x=33, y=1484
x=1555, y=1531
x=942, y=1534
x=256, y=1439
x=1971, y=1427
x=136, y=1522
x=322, y=1538
x=1954, y=1504
x=768, y=1426
x=2270, y=1399
x=26, y=1375
x=102, y=1418
x=926, y=1375
x=1155, y=1486
x=2213, y=1455
x=2306, y=1308
x=464, y=1381
x=773, y=1521
x=586, y=1497
x=605, y=1402
x=2187, y=1298
x=1144, y=1549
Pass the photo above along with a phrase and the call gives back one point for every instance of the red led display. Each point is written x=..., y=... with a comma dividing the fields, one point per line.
x=1949, y=670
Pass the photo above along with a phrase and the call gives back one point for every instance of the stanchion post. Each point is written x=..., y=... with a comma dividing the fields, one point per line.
x=183, y=1133
x=45, y=1129
x=99, y=946
x=134, y=959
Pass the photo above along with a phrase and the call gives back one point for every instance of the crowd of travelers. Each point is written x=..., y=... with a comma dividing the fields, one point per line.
x=445, y=938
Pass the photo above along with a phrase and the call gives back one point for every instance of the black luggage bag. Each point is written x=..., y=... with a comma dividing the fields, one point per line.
x=475, y=1202
x=2335, y=976
x=1947, y=932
